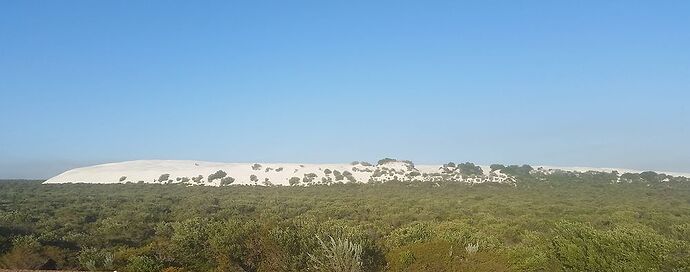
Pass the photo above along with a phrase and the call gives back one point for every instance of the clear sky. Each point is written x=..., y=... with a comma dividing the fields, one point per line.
x=576, y=83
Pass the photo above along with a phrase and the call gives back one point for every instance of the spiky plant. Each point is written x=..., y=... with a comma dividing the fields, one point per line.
x=472, y=248
x=340, y=255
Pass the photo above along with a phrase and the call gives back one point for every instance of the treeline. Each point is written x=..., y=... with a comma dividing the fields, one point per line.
x=557, y=222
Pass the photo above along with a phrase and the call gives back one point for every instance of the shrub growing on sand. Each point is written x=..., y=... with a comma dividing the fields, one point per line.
x=294, y=181
x=267, y=182
x=495, y=167
x=386, y=160
x=469, y=169
x=217, y=175
x=338, y=176
x=123, y=178
x=163, y=177
x=226, y=181
x=309, y=178
x=198, y=178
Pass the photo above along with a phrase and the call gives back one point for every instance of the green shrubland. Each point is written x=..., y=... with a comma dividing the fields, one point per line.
x=557, y=222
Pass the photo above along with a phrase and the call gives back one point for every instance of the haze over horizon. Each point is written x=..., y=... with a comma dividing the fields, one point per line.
x=600, y=84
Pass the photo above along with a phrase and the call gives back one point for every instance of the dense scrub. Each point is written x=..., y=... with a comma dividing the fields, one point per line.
x=546, y=223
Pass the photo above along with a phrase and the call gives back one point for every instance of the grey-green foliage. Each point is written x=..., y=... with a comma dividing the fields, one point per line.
x=229, y=239
x=337, y=255
x=580, y=247
x=386, y=160
x=455, y=232
x=338, y=176
x=309, y=178
x=26, y=241
x=123, y=178
x=198, y=178
x=469, y=169
x=189, y=243
x=217, y=175
x=294, y=181
x=495, y=167
x=163, y=177
x=143, y=264
x=517, y=170
x=349, y=176
x=93, y=259
x=226, y=181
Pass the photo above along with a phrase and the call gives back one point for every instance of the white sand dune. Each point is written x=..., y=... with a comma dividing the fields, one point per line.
x=150, y=171
x=181, y=171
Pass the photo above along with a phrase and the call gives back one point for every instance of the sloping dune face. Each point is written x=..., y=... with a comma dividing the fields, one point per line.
x=217, y=174
x=267, y=174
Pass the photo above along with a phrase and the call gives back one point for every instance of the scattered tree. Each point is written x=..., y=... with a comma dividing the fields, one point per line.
x=163, y=177
x=226, y=181
x=217, y=175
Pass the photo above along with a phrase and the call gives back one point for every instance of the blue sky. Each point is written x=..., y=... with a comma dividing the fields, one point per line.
x=579, y=83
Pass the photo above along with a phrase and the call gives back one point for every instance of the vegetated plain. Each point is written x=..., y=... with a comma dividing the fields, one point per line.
x=558, y=222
